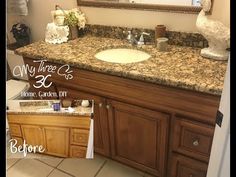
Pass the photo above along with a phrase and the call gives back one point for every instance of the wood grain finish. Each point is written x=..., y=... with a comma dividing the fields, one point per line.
x=53, y=132
x=139, y=136
x=50, y=120
x=192, y=138
x=79, y=137
x=186, y=167
x=101, y=132
x=15, y=129
x=33, y=134
x=78, y=151
x=57, y=141
x=132, y=122
x=197, y=106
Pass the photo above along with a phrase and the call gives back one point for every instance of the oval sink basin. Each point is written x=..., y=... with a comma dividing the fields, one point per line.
x=121, y=55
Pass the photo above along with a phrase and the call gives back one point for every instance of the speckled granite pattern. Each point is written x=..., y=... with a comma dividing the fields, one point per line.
x=181, y=67
x=175, y=38
x=43, y=107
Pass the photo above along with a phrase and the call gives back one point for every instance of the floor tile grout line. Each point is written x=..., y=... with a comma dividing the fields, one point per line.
x=100, y=168
x=55, y=168
x=44, y=163
x=50, y=172
x=60, y=162
x=65, y=172
x=14, y=164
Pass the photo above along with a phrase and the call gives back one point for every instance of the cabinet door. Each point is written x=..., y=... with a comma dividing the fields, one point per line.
x=138, y=136
x=33, y=135
x=101, y=136
x=57, y=141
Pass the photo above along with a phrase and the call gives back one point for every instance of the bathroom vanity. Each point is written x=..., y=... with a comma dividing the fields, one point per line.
x=157, y=115
x=61, y=133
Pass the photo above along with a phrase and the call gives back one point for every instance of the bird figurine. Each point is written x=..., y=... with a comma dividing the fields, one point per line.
x=216, y=33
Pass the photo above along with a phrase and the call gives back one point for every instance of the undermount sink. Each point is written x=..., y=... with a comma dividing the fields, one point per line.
x=122, y=55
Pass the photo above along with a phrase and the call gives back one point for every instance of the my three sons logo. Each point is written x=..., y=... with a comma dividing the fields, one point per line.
x=42, y=79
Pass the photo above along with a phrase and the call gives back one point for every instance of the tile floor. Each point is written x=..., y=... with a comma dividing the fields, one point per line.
x=38, y=165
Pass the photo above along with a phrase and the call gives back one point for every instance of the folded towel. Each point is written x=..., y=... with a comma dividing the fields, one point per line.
x=17, y=7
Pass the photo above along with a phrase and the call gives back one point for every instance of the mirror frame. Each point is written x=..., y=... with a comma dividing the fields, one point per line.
x=154, y=7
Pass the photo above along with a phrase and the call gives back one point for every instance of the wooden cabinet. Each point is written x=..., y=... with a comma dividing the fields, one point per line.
x=186, y=167
x=15, y=130
x=139, y=136
x=15, y=133
x=150, y=127
x=101, y=134
x=79, y=137
x=33, y=135
x=53, y=133
x=57, y=141
x=78, y=151
x=192, y=138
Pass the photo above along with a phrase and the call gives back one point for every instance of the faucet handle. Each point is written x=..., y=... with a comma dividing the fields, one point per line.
x=129, y=35
x=141, y=39
x=144, y=33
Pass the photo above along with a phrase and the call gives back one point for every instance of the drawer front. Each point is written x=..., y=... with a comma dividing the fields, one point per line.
x=15, y=130
x=78, y=151
x=192, y=138
x=79, y=137
x=185, y=167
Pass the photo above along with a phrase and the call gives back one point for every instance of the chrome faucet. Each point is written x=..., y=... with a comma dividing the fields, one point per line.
x=132, y=39
x=141, y=39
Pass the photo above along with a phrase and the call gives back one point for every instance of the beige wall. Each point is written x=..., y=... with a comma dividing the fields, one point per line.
x=39, y=16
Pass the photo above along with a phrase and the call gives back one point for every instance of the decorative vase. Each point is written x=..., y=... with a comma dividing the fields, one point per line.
x=73, y=32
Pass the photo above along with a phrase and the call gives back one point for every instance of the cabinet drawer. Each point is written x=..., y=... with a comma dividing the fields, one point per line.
x=79, y=136
x=78, y=151
x=192, y=138
x=15, y=130
x=185, y=167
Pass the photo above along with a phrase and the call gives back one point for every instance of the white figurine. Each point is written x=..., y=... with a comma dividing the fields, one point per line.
x=85, y=103
x=216, y=33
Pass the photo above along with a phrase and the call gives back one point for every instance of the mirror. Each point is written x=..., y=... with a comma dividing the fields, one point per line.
x=185, y=6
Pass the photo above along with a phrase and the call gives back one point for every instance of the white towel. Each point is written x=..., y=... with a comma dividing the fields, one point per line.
x=17, y=7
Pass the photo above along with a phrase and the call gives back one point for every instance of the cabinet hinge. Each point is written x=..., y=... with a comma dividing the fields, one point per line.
x=219, y=118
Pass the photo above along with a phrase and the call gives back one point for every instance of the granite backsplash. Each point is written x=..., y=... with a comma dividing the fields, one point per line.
x=175, y=38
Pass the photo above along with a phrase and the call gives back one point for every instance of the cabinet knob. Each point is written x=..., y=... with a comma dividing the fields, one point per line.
x=190, y=175
x=195, y=143
x=100, y=105
x=108, y=106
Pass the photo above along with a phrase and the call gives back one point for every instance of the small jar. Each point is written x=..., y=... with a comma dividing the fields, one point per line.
x=160, y=31
x=162, y=43
x=56, y=105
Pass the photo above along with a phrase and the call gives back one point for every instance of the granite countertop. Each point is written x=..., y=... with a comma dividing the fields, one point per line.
x=45, y=107
x=180, y=67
